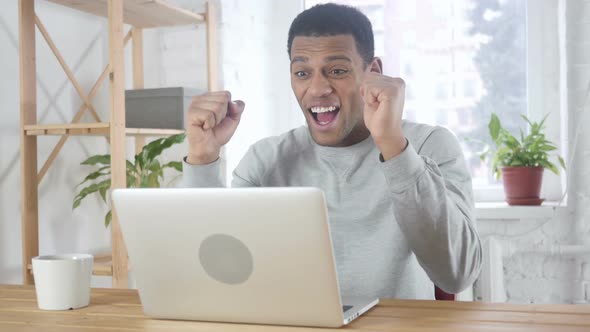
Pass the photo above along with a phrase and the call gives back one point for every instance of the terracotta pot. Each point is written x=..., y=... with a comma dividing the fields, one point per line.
x=522, y=185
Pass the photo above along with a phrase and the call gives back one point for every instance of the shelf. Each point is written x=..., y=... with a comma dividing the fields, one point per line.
x=103, y=266
x=503, y=211
x=139, y=13
x=99, y=129
x=152, y=132
x=93, y=129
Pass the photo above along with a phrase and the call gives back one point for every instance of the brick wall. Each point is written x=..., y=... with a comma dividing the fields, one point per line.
x=578, y=57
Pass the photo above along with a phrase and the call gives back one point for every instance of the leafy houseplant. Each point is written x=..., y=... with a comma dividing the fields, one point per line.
x=145, y=171
x=521, y=162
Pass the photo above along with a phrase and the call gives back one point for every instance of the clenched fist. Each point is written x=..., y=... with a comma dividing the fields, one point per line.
x=211, y=121
x=384, y=105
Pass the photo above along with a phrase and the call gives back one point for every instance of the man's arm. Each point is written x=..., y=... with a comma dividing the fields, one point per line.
x=433, y=205
x=248, y=173
x=202, y=176
x=211, y=120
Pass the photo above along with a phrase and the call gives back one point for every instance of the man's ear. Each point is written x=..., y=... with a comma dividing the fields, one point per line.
x=376, y=66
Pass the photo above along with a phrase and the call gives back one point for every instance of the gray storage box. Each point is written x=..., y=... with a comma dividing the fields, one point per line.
x=158, y=108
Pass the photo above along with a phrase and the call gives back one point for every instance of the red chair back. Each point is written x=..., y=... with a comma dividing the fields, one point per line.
x=439, y=294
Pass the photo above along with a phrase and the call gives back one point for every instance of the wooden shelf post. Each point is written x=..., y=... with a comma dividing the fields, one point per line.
x=138, y=79
x=118, y=158
x=28, y=144
x=212, y=54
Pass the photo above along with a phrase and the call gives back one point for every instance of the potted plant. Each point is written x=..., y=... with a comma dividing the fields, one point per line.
x=146, y=171
x=521, y=163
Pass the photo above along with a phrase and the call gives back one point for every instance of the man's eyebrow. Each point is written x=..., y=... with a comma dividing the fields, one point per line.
x=299, y=59
x=337, y=57
x=327, y=59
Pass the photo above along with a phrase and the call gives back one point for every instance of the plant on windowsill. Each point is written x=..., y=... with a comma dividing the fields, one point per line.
x=521, y=163
x=145, y=172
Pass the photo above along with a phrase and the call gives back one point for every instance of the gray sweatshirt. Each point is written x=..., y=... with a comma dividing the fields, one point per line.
x=397, y=226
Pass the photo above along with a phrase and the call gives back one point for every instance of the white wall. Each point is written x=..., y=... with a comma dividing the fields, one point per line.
x=577, y=43
x=255, y=69
x=83, y=47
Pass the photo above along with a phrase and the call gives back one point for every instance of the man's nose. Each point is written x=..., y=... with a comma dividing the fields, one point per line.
x=320, y=86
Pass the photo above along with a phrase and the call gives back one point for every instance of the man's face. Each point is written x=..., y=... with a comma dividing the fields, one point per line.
x=326, y=74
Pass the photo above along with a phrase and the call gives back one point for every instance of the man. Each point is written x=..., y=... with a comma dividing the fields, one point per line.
x=399, y=194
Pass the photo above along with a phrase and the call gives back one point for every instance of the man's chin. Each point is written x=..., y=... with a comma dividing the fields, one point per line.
x=325, y=139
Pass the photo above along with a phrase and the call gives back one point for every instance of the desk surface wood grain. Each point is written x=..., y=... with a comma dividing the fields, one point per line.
x=120, y=310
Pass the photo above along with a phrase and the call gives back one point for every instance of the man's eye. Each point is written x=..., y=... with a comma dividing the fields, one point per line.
x=301, y=74
x=338, y=72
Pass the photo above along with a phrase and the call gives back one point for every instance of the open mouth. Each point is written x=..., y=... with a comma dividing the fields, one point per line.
x=324, y=115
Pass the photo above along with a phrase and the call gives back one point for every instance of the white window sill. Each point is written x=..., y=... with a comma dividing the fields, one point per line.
x=503, y=211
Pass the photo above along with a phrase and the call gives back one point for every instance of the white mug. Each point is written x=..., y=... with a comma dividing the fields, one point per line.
x=62, y=282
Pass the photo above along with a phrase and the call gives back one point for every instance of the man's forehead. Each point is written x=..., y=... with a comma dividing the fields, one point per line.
x=339, y=47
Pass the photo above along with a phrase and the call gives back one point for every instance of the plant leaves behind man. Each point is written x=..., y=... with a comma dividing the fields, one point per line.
x=531, y=150
x=146, y=171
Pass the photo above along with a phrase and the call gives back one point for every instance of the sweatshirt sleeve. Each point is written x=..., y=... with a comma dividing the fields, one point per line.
x=248, y=173
x=202, y=176
x=433, y=205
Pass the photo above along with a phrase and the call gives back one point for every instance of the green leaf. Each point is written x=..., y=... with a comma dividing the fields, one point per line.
x=98, y=159
x=152, y=180
x=154, y=166
x=131, y=169
x=561, y=162
x=177, y=165
x=510, y=140
x=140, y=160
x=552, y=167
x=143, y=181
x=547, y=147
x=95, y=175
x=527, y=120
x=542, y=123
x=155, y=148
x=89, y=190
x=108, y=218
x=103, y=194
x=494, y=127
x=130, y=181
x=495, y=161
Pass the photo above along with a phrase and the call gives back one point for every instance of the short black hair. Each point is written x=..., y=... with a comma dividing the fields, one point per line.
x=332, y=19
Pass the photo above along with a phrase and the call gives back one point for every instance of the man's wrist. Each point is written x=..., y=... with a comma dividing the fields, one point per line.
x=200, y=159
x=393, y=147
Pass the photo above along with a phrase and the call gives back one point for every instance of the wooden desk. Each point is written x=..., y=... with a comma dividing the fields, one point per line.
x=120, y=310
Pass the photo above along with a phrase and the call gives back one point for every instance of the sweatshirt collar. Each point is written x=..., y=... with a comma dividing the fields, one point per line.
x=351, y=150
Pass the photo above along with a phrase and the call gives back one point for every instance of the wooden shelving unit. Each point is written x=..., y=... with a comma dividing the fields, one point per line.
x=92, y=129
x=140, y=14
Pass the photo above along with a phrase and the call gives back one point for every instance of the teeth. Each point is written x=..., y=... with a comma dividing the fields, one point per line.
x=320, y=109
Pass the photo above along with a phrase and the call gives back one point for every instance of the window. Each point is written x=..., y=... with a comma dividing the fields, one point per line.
x=462, y=60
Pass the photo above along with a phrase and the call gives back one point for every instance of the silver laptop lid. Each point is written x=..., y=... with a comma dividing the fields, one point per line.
x=253, y=255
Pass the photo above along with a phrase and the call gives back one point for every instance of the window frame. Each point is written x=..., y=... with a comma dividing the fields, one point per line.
x=545, y=67
x=545, y=31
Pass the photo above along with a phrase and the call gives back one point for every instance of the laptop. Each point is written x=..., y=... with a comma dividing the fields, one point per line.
x=247, y=255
